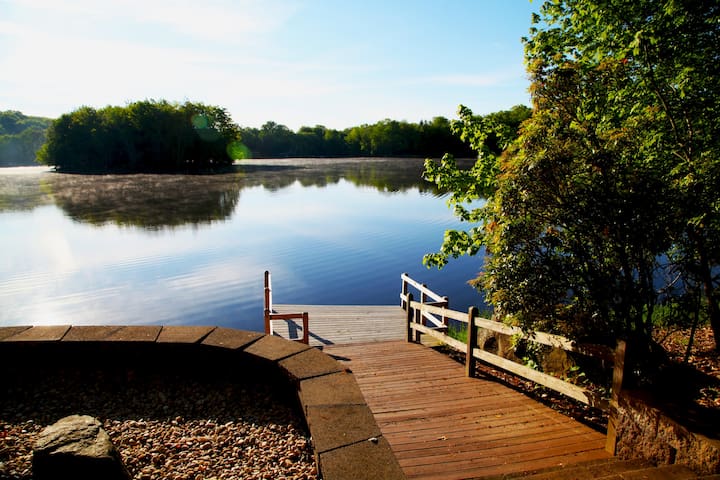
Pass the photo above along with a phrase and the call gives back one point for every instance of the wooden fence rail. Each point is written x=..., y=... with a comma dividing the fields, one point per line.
x=423, y=318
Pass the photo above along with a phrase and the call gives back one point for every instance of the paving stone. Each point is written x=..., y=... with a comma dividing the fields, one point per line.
x=6, y=332
x=334, y=389
x=365, y=460
x=183, y=334
x=139, y=333
x=665, y=472
x=230, y=338
x=90, y=333
x=310, y=363
x=275, y=348
x=615, y=466
x=334, y=426
x=46, y=333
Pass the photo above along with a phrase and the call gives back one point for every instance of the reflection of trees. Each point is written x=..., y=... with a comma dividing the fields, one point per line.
x=159, y=201
x=20, y=192
x=384, y=174
x=148, y=201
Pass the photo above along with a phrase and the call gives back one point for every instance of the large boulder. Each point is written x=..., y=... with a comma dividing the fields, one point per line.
x=76, y=447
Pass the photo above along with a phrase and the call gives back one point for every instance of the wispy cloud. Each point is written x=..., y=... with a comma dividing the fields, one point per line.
x=474, y=80
x=214, y=59
x=225, y=20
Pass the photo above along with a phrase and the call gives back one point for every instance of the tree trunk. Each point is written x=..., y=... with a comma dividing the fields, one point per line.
x=710, y=302
x=713, y=311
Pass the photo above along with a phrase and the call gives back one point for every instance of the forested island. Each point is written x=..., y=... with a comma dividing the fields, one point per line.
x=160, y=136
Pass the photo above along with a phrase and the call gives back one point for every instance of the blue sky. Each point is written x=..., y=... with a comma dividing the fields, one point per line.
x=337, y=63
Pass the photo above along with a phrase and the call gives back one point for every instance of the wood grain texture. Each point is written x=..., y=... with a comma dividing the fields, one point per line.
x=343, y=324
x=443, y=425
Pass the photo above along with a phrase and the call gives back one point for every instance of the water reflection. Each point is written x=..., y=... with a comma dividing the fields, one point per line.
x=155, y=202
x=77, y=249
x=21, y=189
x=148, y=201
x=383, y=174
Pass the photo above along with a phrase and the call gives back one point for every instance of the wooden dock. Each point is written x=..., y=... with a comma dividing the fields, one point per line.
x=343, y=324
x=440, y=422
x=444, y=425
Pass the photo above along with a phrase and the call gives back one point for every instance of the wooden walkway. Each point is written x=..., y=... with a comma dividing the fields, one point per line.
x=344, y=324
x=444, y=425
x=440, y=423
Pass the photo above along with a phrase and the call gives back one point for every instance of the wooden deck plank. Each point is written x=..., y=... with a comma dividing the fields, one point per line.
x=443, y=425
x=464, y=470
x=469, y=439
x=343, y=324
x=468, y=425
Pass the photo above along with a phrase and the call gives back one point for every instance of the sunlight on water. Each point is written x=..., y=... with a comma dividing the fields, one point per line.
x=153, y=249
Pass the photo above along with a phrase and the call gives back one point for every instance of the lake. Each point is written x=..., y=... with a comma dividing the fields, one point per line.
x=191, y=250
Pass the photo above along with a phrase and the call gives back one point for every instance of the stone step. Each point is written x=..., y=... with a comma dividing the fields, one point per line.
x=665, y=472
x=615, y=469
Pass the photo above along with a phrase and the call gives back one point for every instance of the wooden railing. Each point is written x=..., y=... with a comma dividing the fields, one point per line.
x=431, y=318
x=438, y=323
x=270, y=314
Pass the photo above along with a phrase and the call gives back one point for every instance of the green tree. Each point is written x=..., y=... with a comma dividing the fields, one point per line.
x=276, y=140
x=311, y=142
x=147, y=136
x=509, y=121
x=616, y=171
x=470, y=188
x=669, y=83
x=384, y=138
x=360, y=140
x=75, y=141
x=579, y=218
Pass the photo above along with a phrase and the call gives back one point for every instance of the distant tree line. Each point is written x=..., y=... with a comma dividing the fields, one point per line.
x=386, y=138
x=20, y=138
x=158, y=136
x=146, y=136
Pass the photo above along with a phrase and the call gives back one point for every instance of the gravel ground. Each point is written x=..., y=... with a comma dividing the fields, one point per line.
x=170, y=428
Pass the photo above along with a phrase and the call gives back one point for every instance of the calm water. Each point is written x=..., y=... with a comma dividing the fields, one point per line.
x=170, y=249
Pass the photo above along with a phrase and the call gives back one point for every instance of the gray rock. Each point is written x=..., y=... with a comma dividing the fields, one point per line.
x=76, y=447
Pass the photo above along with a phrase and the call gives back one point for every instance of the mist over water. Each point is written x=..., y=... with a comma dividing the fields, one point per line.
x=191, y=250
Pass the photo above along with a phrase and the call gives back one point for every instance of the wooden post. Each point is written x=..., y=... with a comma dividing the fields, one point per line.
x=404, y=293
x=409, y=313
x=268, y=302
x=447, y=305
x=306, y=328
x=419, y=318
x=471, y=342
x=423, y=300
x=618, y=374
